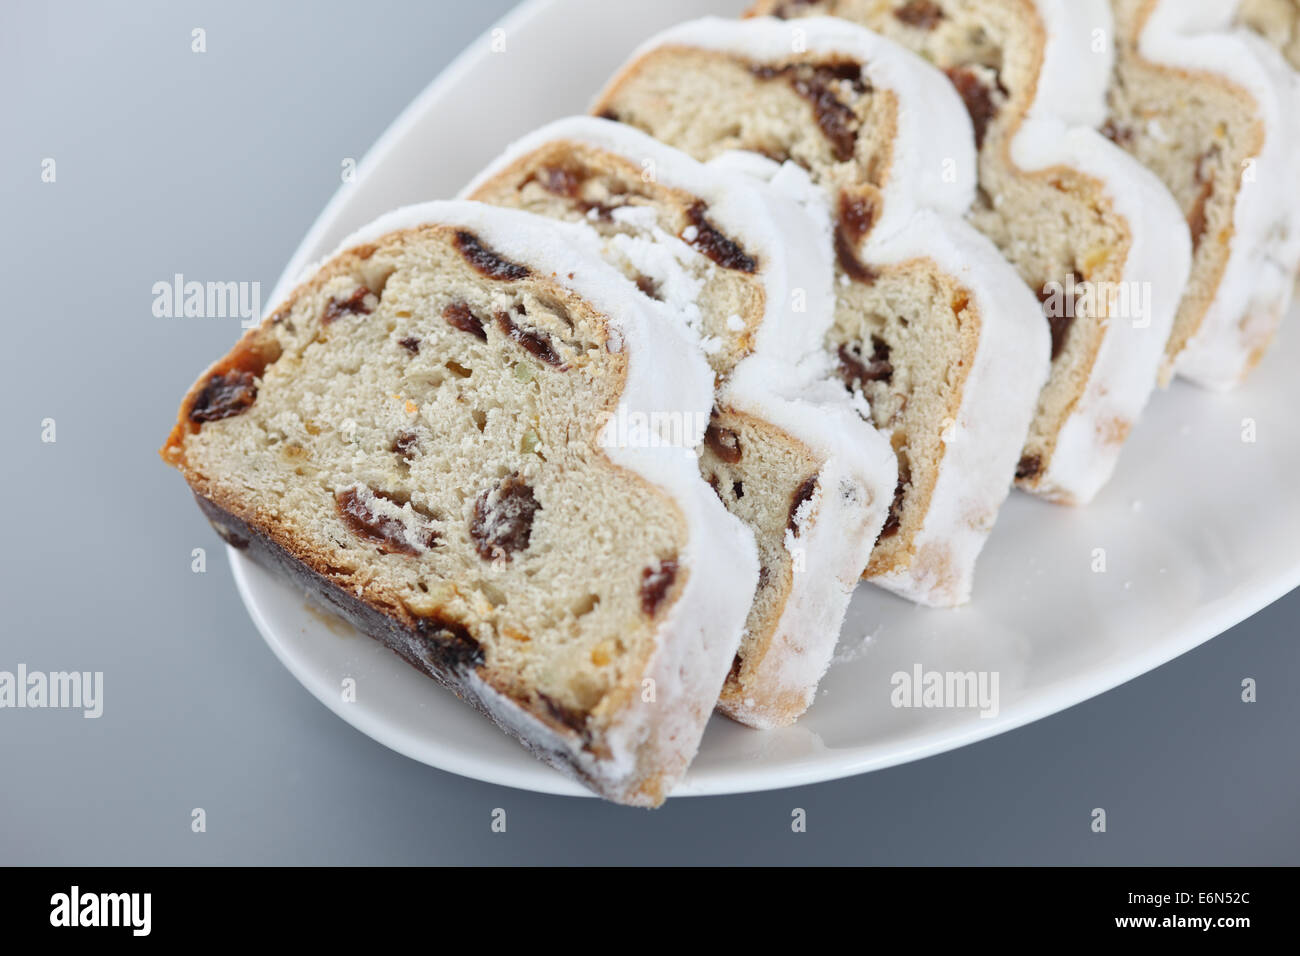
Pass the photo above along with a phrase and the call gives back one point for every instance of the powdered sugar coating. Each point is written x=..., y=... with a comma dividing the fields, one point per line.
x=650, y=742
x=1255, y=291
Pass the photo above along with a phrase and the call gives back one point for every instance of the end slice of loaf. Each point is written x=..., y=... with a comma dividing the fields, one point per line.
x=1214, y=112
x=1093, y=234
x=423, y=435
x=932, y=327
x=750, y=264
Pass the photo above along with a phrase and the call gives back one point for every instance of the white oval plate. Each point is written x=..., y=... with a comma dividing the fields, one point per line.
x=1199, y=530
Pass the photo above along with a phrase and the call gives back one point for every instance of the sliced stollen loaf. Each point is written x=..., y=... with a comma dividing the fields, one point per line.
x=1278, y=21
x=752, y=268
x=420, y=436
x=1091, y=231
x=931, y=325
x=1212, y=110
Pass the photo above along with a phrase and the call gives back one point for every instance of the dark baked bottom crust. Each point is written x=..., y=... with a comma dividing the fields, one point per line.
x=445, y=663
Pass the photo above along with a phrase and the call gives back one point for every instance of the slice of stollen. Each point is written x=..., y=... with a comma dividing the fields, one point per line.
x=1094, y=234
x=422, y=436
x=745, y=253
x=932, y=326
x=1214, y=111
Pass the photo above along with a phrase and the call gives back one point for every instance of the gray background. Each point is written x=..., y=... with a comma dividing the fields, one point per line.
x=214, y=166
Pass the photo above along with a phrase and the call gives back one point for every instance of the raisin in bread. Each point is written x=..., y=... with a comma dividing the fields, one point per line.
x=422, y=435
x=1094, y=234
x=749, y=261
x=1278, y=21
x=932, y=327
x=1212, y=111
